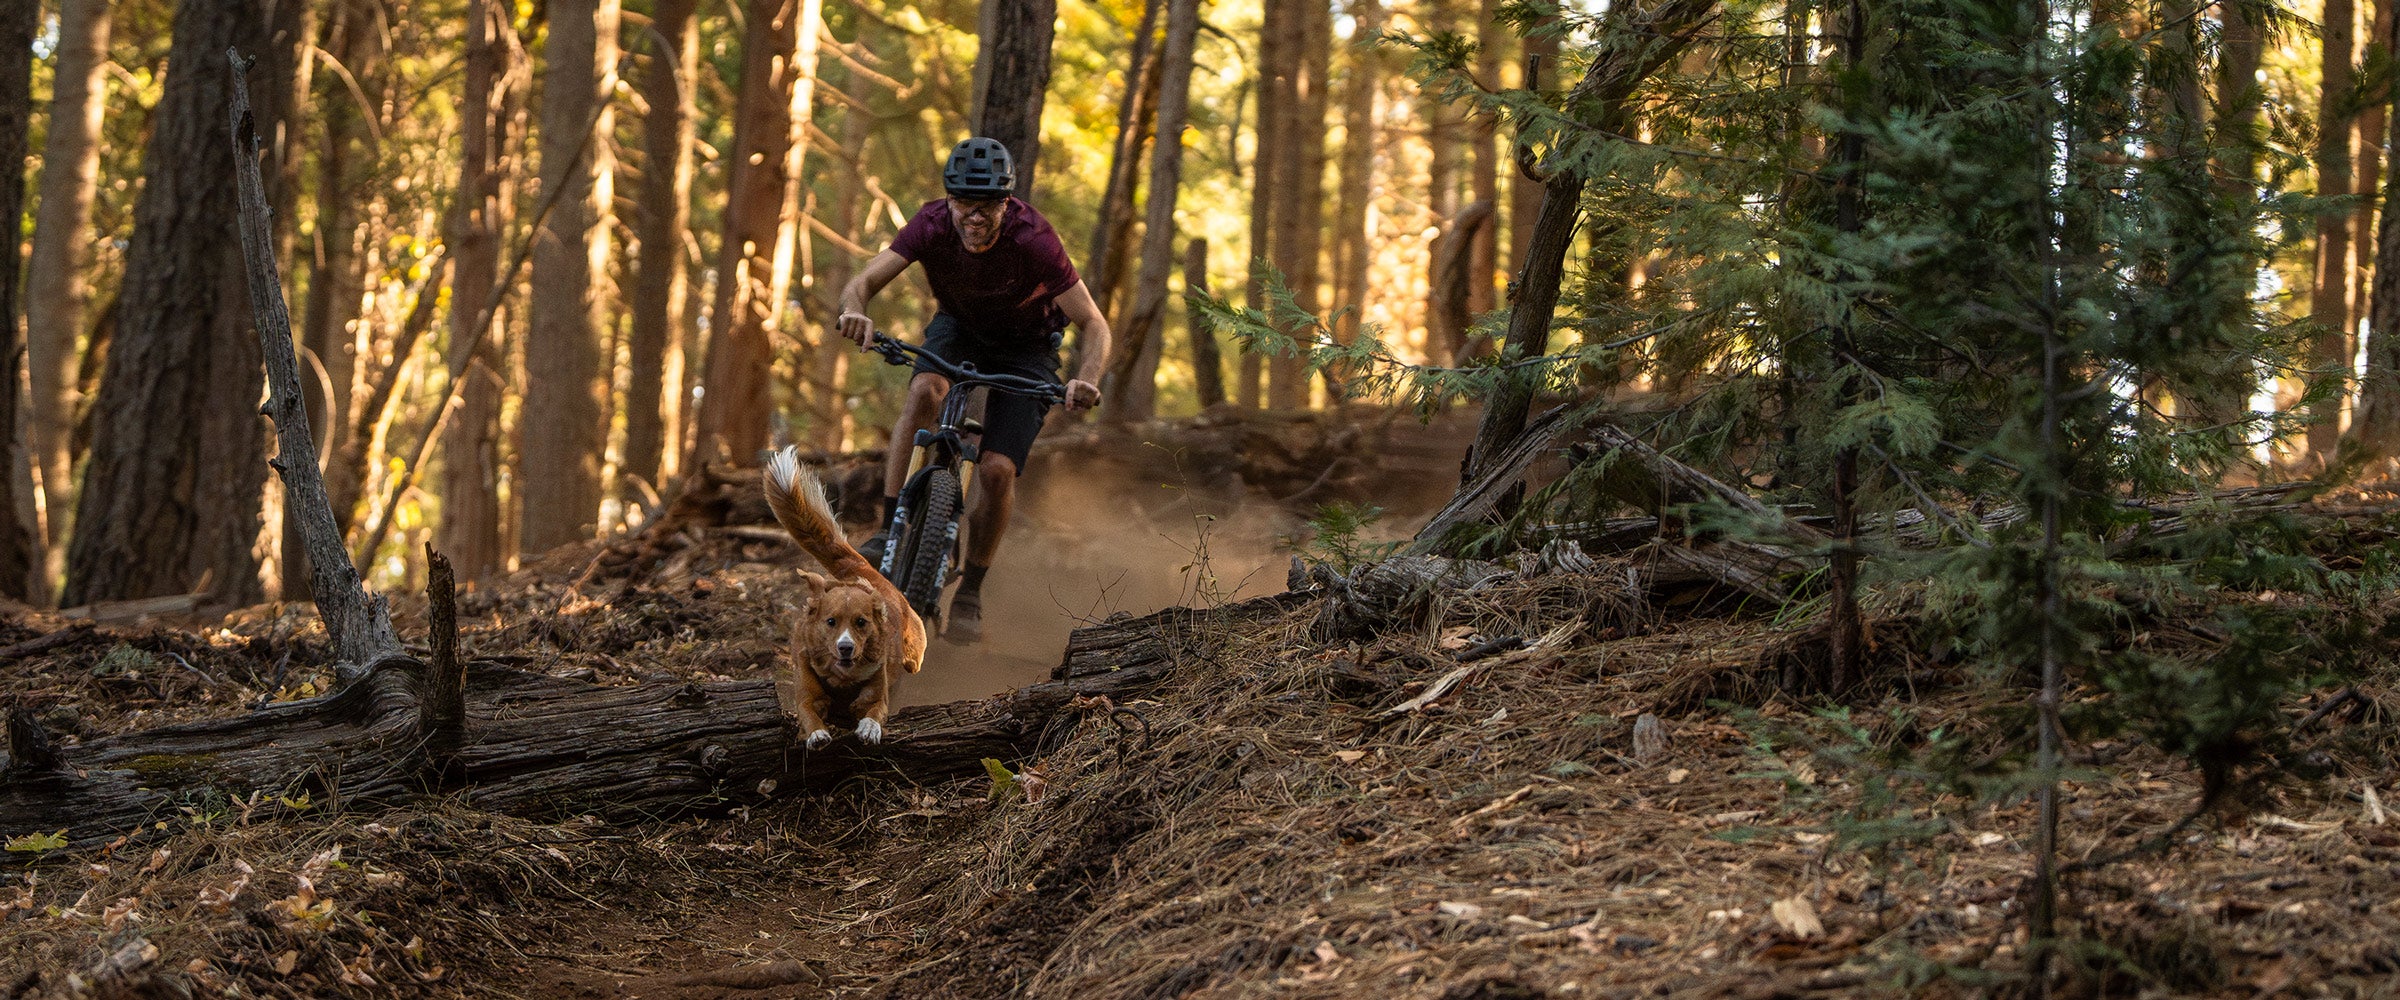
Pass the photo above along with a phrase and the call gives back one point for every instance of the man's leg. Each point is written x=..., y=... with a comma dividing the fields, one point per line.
x=995, y=495
x=924, y=406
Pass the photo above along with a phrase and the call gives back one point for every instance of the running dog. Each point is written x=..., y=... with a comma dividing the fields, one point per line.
x=857, y=629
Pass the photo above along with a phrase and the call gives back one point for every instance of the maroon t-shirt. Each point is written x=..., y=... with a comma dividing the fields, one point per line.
x=1006, y=292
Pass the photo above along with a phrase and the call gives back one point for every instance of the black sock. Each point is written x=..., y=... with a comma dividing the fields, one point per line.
x=891, y=505
x=971, y=581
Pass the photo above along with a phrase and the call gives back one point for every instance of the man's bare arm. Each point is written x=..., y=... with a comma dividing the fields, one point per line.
x=1083, y=391
x=853, y=322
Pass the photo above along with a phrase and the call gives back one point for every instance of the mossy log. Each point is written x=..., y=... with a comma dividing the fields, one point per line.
x=538, y=745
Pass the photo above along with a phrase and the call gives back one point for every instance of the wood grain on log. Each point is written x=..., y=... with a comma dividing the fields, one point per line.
x=540, y=745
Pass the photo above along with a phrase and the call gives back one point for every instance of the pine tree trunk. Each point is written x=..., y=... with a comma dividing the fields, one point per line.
x=1637, y=38
x=791, y=237
x=178, y=456
x=1267, y=175
x=2329, y=301
x=2372, y=123
x=563, y=429
x=653, y=398
x=1133, y=395
x=1208, y=368
x=55, y=294
x=490, y=120
x=1353, y=251
x=735, y=409
x=1484, y=188
x=1112, y=237
x=2378, y=426
x=1525, y=193
x=1445, y=146
x=1012, y=76
x=1299, y=187
x=20, y=535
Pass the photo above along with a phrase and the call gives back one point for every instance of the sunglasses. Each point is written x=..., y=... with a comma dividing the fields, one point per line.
x=985, y=210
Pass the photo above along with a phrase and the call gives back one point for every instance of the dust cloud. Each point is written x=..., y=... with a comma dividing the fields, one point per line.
x=1079, y=550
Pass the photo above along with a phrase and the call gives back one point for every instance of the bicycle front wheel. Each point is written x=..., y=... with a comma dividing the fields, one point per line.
x=923, y=558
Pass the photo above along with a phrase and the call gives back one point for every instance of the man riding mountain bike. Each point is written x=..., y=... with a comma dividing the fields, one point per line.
x=1005, y=292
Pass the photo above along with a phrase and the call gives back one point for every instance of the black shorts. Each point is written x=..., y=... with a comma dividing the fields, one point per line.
x=1010, y=421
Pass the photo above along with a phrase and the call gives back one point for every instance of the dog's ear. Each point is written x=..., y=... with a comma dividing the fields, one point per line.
x=816, y=583
x=883, y=616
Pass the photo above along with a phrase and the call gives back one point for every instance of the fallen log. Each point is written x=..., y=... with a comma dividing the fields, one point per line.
x=532, y=744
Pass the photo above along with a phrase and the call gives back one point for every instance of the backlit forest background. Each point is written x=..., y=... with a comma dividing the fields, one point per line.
x=546, y=257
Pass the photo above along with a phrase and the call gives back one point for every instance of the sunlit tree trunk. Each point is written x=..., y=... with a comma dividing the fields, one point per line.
x=654, y=351
x=490, y=119
x=2329, y=300
x=737, y=401
x=55, y=294
x=563, y=432
x=1268, y=175
x=1353, y=250
x=171, y=497
x=2372, y=121
x=1112, y=237
x=1299, y=187
x=1012, y=76
x=1134, y=371
x=1483, y=136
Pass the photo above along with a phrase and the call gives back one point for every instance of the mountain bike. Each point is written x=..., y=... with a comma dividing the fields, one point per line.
x=923, y=548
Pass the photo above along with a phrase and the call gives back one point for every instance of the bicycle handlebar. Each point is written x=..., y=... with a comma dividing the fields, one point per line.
x=897, y=353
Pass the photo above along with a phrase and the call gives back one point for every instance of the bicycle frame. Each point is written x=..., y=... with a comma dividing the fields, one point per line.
x=944, y=445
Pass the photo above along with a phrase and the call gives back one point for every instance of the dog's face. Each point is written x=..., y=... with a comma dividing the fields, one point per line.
x=843, y=629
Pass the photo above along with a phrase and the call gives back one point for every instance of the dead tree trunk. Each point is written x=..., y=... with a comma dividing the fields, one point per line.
x=361, y=626
x=538, y=745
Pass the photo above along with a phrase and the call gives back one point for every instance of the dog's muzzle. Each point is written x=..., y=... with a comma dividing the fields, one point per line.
x=845, y=649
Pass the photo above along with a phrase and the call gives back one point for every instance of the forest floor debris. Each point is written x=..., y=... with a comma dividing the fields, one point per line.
x=1278, y=829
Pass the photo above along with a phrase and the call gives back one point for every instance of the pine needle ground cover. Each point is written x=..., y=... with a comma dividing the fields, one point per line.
x=1626, y=806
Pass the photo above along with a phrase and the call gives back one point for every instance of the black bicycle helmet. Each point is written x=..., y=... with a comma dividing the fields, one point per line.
x=979, y=168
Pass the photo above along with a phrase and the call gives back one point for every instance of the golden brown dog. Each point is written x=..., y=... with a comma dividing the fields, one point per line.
x=857, y=629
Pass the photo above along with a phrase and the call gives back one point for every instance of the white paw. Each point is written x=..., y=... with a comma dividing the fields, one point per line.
x=819, y=739
x=870, y=731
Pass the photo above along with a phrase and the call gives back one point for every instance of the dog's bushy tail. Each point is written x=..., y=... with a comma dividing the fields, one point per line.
x=797, y=497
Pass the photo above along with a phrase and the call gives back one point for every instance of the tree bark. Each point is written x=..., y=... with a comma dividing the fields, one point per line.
x=1133, y=373
x=653, y=398
x=1450, y=306
x=1636, y=40
x=564, y=431
x=172, y=490
x=1112, y=236
x=55, y=293
x=1299, y=188
x=1539, y=74
x=542, y=746
x=2329, y=299
x=737, y=406
x=1012, y=76
x=20, y=532
x=1208, y=368
x=1484, y=180
x=1267, y=176
x=360, y=626
x=489, y=122
x=1353, y=249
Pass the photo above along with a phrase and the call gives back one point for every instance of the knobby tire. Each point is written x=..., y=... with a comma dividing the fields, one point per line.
x=926, y=551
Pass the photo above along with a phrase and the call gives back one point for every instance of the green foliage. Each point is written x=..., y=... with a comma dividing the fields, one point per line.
x=1334, y=538
x=38, y=842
